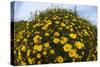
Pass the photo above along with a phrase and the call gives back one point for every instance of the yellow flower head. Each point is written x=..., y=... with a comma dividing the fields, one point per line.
x=71, y=29
x=60, y=59
x=17, y=40
x=76, y=56
x=44, y=28
x=25, y=40
x=38, y=55
x=23, y=31
x=57, y=22
x=72, y=53
x=56, y=40
x=20, y=57
x=36, y=41
x=39, y=48
x=30, y=60
x=23, y=48
x=46, y=34
x=67, y=27
x=44, y=52
x=67, y=47
x=20, y=33
x=37, y=32
x=46, y=44
x=23, y=63
x=73, y=36
x=56, y=34
x=55, y=17
x=79, y=44
x=28, y=52
x=35, y=47
x=36, y=37
x=39, y=62
x=49, y=22
x=19, y=52
x=52, y=51
x=63, y=25
x=34, y=51
x=63, y=40
x=60, y=28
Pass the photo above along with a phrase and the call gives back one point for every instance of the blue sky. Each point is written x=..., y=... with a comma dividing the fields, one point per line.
x=23, y=9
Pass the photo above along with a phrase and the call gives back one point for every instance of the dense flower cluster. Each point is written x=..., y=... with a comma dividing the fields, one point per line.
x=54, y=36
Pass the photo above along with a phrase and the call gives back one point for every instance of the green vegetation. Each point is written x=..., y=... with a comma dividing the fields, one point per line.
x=54, y=36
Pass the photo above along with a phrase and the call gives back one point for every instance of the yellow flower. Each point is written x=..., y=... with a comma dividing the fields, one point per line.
x=86, y=33
x=66, y=16
x=63, y=25
x=39, y=48
x=57, y=22
x=36, y=37
x=67, y=47
x=39, y=62
x=46, y=44
x=55, y=17
x=34, y=51
x=74, y=19
x=76, y=56
x=38, y=55
x=49, y=22
x=20, y=33
x=82, y=53
x=56, y=40
x=36, y=41
x=63, y=40
x=79, y=44
x=60, y=28
x=44, y=52
x=67, y=27
x=28, y=35
x=28, y=52
x=56, y=34
x=25, y=40
x=30, y=60
x=35, y=47
x=60, y=59
x=19, y=52
x=19, y=55
x=52, y=51
x=23, y=48
x=36, y=25
x=23, y=31
x=80, y=56
x=72, y=53
x=17, y=40
x=44, y=28
x=46, y=34
x=23, y=63
x=73, y=36
x=36, y=32
x=71, y=29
